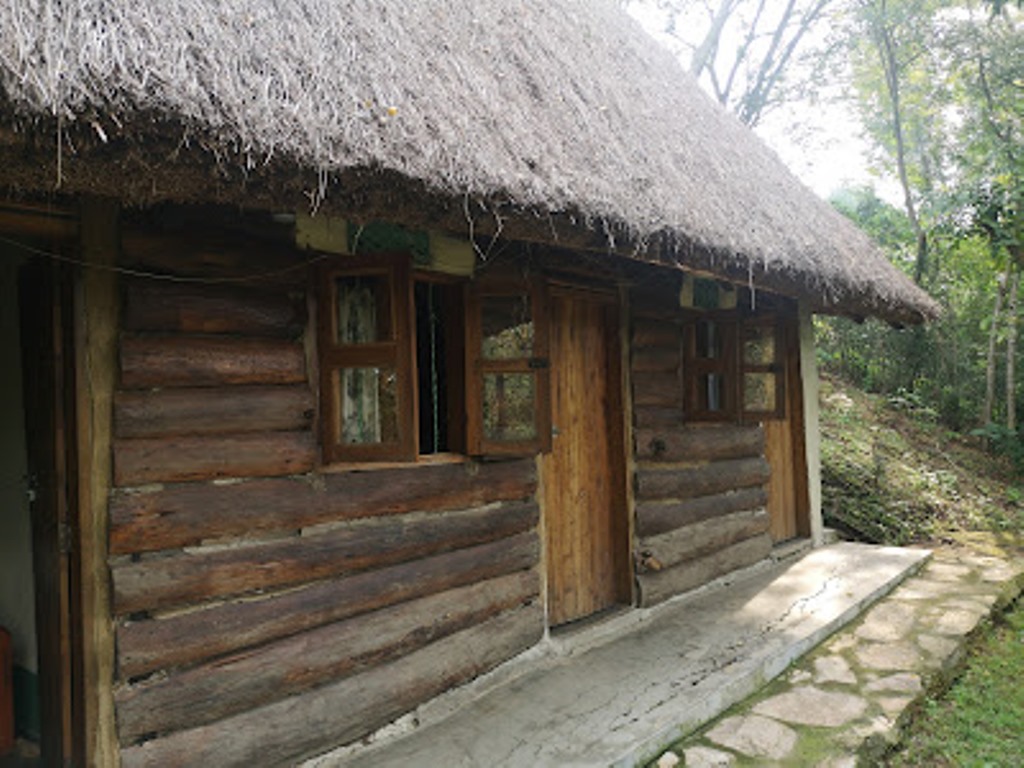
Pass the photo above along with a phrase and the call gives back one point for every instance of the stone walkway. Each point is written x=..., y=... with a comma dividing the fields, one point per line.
x=845, y=703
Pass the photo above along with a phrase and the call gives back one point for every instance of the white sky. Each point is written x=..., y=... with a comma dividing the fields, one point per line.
x=821, y=143
x=831, y=154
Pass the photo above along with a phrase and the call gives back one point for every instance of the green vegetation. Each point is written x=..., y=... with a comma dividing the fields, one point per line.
x=978, y=722
x=892, y=473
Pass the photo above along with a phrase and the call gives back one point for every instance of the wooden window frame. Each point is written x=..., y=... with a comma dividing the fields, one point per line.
x=396, y=352
x=777, y=367
x=536, y=365
x=731, y=366
x=696, y=368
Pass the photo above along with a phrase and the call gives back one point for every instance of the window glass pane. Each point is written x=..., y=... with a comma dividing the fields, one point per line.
x=507, y=327
x=711, y=393
x=758, y=345
x=368, y=405
x=759, y=392
x=509, y=407
x=364, y=312
x=709, y=340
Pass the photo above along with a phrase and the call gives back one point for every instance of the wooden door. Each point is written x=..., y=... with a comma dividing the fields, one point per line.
x=788, y=506
x=586, y=527
x=48, y=397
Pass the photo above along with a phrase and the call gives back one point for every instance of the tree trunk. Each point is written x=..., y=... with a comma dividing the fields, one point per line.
x=704, y=54
x=1011, y=354
x=990, y=360
x=887, y=52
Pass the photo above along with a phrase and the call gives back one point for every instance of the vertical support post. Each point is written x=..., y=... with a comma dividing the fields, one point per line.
x=629, y=442
x=96, y=323
x=812, y=431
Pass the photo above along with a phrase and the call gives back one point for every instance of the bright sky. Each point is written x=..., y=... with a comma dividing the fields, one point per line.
x=821, y=143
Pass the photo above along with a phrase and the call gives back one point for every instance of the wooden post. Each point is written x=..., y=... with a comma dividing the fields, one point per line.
x=96, y=322
x=628, y=440
x=812, y=433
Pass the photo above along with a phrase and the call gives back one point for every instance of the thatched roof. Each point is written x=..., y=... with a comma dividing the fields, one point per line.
x=556, y=114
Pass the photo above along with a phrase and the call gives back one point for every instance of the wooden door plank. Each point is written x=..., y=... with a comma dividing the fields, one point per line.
x=784, y=450
x=583, y=486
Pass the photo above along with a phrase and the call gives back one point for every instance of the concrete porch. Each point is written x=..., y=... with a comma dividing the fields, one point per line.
x=617, y=692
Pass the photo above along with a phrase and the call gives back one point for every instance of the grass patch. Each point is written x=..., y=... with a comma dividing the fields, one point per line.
x=979, y=721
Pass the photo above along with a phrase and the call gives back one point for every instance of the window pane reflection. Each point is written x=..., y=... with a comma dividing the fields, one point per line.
x=709, y=340
x=507, y=327
x=369, y=405
x=758, y=345
x=364, y=314
x=711, y=393
x=759, y=392
x=509, y=407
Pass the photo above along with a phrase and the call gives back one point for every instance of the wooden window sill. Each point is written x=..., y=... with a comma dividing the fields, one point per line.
x=430, y=460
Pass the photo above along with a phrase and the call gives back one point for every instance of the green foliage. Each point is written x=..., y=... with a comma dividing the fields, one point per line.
x=892, y=474
x=998, y=5
x=1004, y=442
x=978, y=723
x=940, y=366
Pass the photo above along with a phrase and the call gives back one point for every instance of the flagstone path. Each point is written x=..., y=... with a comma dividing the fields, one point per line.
x=844, y=704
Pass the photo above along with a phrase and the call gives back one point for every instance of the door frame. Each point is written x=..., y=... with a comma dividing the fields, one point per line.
x=45, y=292
x=614, y=304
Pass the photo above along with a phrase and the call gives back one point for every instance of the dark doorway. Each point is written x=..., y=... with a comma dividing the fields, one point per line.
x=49, y=396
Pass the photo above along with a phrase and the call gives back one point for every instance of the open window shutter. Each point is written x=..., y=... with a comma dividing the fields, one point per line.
x=762, y=368
x=364, y=340
x=508, y=377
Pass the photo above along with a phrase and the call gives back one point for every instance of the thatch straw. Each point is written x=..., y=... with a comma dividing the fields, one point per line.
x=554, y=106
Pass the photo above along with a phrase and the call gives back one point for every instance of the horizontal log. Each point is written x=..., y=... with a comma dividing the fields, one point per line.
x=702, y=539
x=214, y=254
x=661, y=389
x=142, y=460
x=657, y=517
x=659, y=417
x=653, y=303
x=700, y=443
x=188, y=638
x=659, y=586
x=212, y=410
x=29, y=222
x=184, y=515
x=269, y=673
x=192, y=577
x=199, y=308
x=655, y=359
x=209, y=361
x=704, y=480
x=339, y=713
x=654, y=333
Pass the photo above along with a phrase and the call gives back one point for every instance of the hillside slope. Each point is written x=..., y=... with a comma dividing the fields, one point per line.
x=892, y=474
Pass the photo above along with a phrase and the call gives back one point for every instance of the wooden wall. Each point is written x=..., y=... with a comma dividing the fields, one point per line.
x=264, y=610
x=700, y=489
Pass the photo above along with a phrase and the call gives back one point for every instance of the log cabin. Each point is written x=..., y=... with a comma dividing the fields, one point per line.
x=354, y=348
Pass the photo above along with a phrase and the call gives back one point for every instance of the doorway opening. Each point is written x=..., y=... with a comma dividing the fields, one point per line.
x=37, y=488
